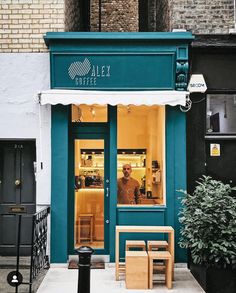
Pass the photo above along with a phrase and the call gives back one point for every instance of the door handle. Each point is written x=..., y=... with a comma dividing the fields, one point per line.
x=17, y=182
x=107, y=193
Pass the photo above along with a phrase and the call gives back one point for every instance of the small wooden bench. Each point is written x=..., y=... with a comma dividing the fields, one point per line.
x=136, y=272
x=160, y=255
x=157, y=244
x=135, y=244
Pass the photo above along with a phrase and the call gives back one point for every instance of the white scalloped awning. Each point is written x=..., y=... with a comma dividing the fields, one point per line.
x=90, y=97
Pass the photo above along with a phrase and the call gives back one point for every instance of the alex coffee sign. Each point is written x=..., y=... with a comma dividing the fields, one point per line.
x=113, y=71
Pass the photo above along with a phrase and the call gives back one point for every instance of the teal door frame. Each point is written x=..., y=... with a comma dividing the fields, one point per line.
x=94, y=131
x=108, y=132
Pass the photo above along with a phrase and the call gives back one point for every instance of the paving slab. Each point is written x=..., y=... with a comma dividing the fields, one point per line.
x=62, y=280
x=8, y=264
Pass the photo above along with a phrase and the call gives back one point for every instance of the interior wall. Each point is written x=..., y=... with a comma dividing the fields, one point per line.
x=155, y=131
x=131, y=132
x=85, y=144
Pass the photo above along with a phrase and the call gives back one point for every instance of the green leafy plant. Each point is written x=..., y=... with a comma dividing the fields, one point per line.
x=208, y=218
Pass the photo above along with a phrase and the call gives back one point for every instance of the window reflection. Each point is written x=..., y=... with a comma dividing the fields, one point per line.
x=221, y=113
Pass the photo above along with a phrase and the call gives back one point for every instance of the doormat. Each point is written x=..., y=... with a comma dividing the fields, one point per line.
x=95, y=265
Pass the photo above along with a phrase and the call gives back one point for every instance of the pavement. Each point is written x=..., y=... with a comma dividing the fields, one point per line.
x=8, y=264
x=62, y=280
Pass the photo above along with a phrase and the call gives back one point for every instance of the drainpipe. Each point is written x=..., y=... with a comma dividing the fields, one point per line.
x=100, y=15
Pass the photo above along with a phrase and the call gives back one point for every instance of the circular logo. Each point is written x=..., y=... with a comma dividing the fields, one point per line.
x=14, y=278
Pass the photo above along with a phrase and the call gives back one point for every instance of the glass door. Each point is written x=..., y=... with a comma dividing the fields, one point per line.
x=91, y=194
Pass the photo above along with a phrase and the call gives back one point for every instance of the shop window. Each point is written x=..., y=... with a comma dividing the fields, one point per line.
x=141, y=138
x=89, y=113
x=221, y=114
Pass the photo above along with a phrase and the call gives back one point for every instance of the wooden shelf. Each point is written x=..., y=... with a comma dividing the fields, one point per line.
x=134, y=168
x=91, y=168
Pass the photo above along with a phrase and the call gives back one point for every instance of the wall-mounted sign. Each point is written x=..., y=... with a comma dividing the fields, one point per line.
x=214, y=149
x=197, y=84
x=151, y=71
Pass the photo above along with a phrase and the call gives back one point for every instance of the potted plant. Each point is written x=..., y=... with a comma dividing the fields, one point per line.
x=208, y=218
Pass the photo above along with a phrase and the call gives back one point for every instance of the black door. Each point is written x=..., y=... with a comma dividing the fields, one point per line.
x=17, y=194
x=222, y=167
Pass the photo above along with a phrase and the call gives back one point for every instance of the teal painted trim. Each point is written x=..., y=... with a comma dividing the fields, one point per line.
x=51, y=36
x=59, y=200
x=91, y=128
x=137, y=217
x=112, y=118
x=100, y=48
x=175, y=170
x=180, y=174
x=170, y=161
x=71, y=195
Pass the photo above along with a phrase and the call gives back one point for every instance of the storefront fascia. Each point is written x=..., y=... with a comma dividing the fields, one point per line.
x=146, y=63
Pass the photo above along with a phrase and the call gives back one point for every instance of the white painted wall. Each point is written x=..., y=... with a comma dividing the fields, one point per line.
x=22, y=76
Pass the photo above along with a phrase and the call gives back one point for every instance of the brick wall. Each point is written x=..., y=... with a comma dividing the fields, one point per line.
x=117, y=16
x=201, y=16
x=72, y=15
x=23, y=23
x=159, y=17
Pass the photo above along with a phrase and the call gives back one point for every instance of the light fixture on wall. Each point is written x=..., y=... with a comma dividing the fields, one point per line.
x=234, y=97
x=78, y=115
x=128, y=109
x=93, y=112
x=209, y=113
x=225, y=110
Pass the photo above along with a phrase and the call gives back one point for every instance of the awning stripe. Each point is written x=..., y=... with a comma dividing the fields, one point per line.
x=89, y=97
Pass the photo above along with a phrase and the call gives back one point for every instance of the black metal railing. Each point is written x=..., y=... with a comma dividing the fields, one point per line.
x=39, y=258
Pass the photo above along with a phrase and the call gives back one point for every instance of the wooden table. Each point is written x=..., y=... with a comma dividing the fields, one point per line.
x=144, y=229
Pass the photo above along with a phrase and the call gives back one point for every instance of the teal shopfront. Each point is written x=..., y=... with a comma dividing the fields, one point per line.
x=115, y=100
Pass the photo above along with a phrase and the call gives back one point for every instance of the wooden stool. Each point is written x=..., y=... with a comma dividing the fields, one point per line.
x=136, y=272
x=85, y=221
x=135, y=244
x=155, y=245
x=160, y=255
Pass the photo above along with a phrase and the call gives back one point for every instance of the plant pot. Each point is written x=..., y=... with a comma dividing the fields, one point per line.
x=214, y=280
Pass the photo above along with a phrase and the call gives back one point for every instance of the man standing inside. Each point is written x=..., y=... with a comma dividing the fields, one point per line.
x=128, y=187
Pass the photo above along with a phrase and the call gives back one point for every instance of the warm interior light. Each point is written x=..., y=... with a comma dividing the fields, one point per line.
x=128, y=109
x=93, y=112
